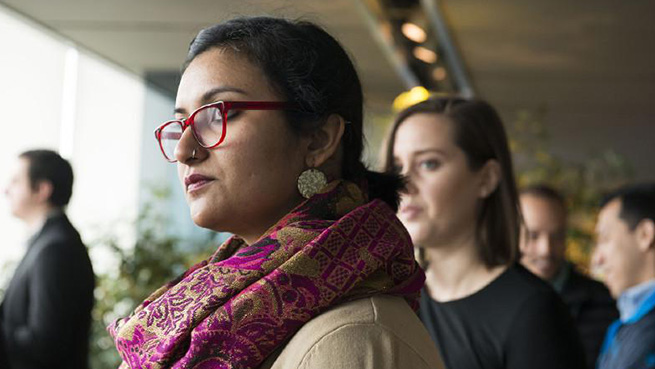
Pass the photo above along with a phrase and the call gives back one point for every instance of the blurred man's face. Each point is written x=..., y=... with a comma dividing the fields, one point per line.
x=20, y=195
x=543, y=236
x=617, y=254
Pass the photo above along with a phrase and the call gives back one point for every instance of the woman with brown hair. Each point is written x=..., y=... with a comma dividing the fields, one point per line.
x=481, y=308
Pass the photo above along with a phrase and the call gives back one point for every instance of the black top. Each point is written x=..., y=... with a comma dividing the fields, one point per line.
x=46, y=312
x=592, y=309
x=633, y=347
x=517, y=321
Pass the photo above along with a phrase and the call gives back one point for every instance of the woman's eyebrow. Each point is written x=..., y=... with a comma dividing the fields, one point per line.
x=421, y=152
x=208, y=97
x=425, y=151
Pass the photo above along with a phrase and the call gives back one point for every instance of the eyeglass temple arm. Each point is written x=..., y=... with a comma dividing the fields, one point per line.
x=257, y=105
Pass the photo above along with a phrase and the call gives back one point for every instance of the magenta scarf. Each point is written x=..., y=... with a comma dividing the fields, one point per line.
x=236, y=308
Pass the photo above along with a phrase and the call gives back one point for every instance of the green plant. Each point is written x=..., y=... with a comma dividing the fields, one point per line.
x=581, y=183
x=155, y=258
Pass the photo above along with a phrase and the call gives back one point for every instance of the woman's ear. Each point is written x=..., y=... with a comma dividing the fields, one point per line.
x=325, y=141
x=490, y=175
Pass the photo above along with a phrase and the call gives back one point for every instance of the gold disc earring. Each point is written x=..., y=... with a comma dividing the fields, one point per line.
x=310, y=182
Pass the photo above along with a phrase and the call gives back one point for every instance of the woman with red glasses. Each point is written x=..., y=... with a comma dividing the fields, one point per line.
x=320, y=273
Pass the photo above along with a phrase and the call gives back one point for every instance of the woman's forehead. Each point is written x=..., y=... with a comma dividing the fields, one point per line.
x=222, y=74
x=422, y=131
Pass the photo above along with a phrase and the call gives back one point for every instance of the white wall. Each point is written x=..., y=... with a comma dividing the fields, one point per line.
x=55, y=96
x=31, y=76
x=106, y=150
x=98, y=116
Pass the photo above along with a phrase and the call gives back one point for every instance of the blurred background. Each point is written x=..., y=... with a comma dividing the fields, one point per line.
x=573, y=81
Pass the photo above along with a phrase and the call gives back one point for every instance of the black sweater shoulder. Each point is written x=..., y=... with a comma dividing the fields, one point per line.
x=516, y=321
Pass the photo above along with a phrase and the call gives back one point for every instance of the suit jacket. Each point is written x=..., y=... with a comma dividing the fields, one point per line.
x=592, y=309
x=379, y=332
x=46, y=312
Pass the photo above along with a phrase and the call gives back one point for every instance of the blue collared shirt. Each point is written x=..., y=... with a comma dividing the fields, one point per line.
x=633, y=298
x=636, y=348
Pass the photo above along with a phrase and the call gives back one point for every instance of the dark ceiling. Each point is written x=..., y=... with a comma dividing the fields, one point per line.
x=586, y=68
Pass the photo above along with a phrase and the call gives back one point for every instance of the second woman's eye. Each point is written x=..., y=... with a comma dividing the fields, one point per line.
x=429, y=164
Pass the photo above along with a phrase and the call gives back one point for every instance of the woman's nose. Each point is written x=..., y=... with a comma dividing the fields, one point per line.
x=410, y=183
x=187, y=147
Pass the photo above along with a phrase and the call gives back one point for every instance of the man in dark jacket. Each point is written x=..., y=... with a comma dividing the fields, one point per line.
x=45, y=316
x=543, y=246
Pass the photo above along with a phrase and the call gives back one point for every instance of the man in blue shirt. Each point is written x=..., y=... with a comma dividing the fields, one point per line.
x=625, y=254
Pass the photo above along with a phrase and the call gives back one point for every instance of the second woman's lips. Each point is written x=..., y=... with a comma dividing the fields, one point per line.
x=195, y=181
x=410, y=211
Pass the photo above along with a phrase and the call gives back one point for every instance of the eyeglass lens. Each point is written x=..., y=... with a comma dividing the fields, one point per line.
x=207, y=126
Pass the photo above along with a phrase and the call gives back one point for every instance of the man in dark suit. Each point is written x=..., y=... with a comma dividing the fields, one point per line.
x=543, y=246
x=45, y=316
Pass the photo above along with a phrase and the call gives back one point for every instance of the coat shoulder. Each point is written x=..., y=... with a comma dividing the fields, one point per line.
x=376, y=332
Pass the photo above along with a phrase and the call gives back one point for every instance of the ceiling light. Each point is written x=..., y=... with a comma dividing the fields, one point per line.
x=425, y=54
x=411, y=97
x=413, y=32
x=439, y=73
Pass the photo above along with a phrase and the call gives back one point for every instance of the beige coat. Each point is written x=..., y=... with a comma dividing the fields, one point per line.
x=380, y=332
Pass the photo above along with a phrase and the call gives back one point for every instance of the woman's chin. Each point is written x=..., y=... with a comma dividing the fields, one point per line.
x=204, y=219
x=200, y=222
x=417, y=233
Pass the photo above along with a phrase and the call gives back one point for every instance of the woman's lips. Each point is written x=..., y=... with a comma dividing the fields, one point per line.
x=195, y=182
x=410, y=212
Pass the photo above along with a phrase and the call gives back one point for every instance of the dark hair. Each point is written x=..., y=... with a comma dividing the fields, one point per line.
x=310, y=68
x=545, y=191
x=637, y=203
x=48, y=166
x=479, y=132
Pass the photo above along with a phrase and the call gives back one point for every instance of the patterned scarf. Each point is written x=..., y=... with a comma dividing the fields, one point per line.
x=237, y=307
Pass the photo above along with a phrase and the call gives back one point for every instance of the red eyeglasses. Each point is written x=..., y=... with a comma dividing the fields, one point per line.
x=208, y=124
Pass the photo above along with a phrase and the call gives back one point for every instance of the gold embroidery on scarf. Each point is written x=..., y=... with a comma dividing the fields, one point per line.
x=351, y=199
x=301, y=264
x=295, y=235
x=329, y=187
x=367, y=257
